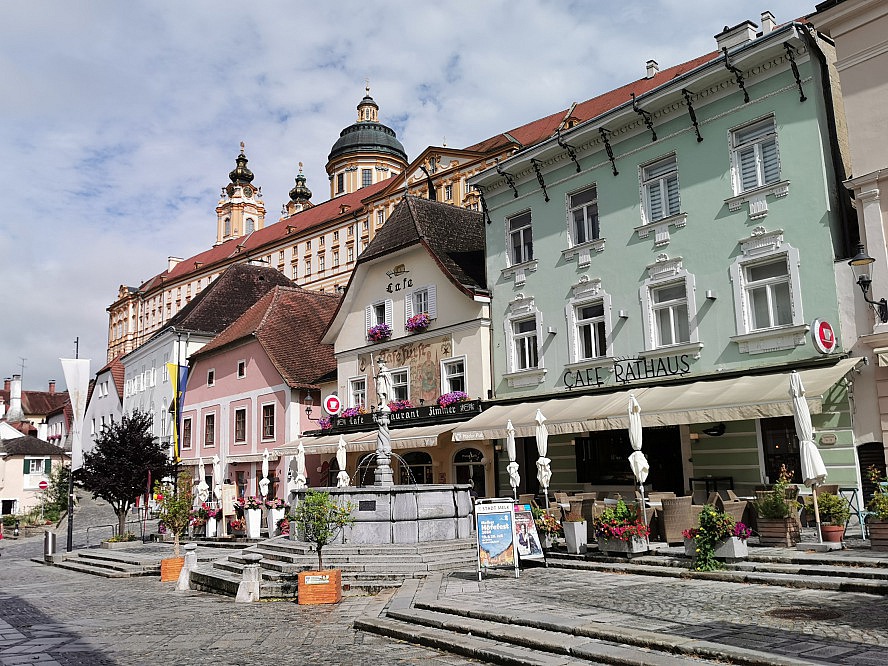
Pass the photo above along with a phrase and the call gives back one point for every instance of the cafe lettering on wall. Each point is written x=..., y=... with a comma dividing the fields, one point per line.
x=628, y=370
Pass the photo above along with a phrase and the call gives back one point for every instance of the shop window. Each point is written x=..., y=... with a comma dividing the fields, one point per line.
x=416, y=468
x=469, y=466
x=781, y=448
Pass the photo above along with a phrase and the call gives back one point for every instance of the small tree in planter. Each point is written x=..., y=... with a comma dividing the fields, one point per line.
x=877, y=523
x=834, y=510
x=174, y=511
x=319, y=520
x=776, y=526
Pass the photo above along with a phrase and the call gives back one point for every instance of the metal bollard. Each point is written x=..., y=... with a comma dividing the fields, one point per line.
x=49, y=545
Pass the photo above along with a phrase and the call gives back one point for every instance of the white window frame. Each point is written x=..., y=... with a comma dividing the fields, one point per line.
x=371, y=317
x=755, y=196
x=183, y=442
x=352, y=382
x=406, y=384
x=40, y=466
x=211, y=377
x=584, y=293
x=446, y=376
x=241, y=368
x=522, y=308
x=215, y=430
x=431, y=291
x=582, y=251
x=262, y=408
x=525, y=256
x=591, y=229
x=448, y=192
x=663, y=273
x=234, y=439
x=761, y=247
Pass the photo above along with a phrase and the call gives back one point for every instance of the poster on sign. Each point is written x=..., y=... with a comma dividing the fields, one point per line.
x=495, y=530
x=527, y=539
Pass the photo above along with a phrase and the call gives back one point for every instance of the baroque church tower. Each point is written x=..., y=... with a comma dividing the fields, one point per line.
x=240, y=210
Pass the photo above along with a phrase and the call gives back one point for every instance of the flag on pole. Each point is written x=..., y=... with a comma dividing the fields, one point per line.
x=179, y=379
x=76, y=372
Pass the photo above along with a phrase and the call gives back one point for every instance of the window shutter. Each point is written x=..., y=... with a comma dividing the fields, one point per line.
x=433, y=301
x=770, y=162
x=655, y=200
x=388, y=311
x=47, y=466
x=748, y=176
x=368, y=318
x=27, y=467
x=408, y=304
x=673, y=195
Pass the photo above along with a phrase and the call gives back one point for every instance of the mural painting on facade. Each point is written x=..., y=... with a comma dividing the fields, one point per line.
x=422, y=360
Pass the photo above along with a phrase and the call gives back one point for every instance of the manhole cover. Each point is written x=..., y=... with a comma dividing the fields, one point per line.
x=801, y=613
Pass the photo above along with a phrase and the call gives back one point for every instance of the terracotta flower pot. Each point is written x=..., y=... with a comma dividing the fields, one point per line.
x=832, y=533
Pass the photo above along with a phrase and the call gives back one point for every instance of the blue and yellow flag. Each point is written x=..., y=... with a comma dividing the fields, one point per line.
x=179, y=379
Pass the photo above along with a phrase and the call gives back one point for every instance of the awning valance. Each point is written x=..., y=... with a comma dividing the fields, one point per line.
x=705, y=401
x=402, y=438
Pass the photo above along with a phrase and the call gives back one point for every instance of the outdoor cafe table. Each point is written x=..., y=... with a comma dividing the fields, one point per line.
x=711, y=482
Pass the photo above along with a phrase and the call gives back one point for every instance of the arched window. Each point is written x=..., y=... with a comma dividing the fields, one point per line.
x=416, y=468
x=227, y=228
x=251, y=226
x=332, y=472
x=469, y=466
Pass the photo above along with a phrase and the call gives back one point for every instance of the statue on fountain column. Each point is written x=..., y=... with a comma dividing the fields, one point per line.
x=384, y=388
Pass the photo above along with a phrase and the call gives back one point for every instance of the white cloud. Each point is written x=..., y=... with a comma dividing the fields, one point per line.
x=121, y=120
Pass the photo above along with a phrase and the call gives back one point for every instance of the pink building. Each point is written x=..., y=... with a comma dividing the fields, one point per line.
x=248, y=388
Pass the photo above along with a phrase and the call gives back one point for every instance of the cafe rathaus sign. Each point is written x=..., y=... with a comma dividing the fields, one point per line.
x=627, y=370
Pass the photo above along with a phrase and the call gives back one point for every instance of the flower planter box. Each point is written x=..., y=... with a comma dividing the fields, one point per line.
x=778, y=532
x=878, y=533
x=271, y=520
x=634, y=546
x=690, y=547
x=733, y=548
x=320, y=587
x=170, y=568
x=254, y=522
x=575, y=536
x=832, y=533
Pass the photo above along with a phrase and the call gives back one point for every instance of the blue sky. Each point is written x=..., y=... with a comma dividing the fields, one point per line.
x=121, y=121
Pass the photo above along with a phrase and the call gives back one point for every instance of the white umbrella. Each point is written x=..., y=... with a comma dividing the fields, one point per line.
x=512, y=467
x=813, y=469
x=300, y=467
x=203, y=490
x=217, y=478
x=544, y=471
x=637, y=461
x=263, y=483
x=342, y=478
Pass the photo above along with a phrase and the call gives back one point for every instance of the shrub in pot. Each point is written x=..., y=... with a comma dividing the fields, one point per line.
x=620, y=530
x=776, y=525
x=319, y=520
x=877, y=523
x=834, y=514
x=174, y=512
x=719, y=537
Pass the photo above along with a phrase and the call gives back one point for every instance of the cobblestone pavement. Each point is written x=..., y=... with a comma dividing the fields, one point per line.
x=53, y=616
x=722, y=612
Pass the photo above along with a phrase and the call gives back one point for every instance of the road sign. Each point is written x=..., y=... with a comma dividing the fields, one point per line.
x=332, y=405
x=823, y=336
x=43, y=485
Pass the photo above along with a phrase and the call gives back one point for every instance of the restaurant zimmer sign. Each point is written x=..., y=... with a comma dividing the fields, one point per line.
x=628, y=370
x=421, y=415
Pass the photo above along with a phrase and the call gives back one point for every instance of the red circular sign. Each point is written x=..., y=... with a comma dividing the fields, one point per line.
x=43, y=485
x=823, y=336
x=332, y=405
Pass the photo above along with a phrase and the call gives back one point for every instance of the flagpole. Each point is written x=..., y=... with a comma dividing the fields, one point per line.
x=70, y=542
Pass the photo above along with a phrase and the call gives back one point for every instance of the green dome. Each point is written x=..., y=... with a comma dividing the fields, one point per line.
x=366, y=137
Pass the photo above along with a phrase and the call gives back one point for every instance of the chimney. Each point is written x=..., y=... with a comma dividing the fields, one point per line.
x=739, y=34
x=6, y=384
x=652, y=68
x=52, y=387
x=15, y=413
x=2, y=408
x=172, y=262
x=768, y=22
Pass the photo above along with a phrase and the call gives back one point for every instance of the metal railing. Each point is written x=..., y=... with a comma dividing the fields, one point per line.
x=113, y=527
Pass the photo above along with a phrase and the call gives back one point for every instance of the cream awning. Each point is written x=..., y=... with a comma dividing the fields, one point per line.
x=705, y=401
x=402, y=438
x=248, y=458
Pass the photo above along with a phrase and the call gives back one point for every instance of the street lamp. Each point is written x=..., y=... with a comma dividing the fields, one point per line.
x=860, y=264
x=309, y=402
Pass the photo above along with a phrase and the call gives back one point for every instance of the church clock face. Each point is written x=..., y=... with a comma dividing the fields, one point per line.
x=248, y=192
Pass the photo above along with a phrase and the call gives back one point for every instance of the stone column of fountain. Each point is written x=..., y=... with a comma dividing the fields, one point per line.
x=383, y=475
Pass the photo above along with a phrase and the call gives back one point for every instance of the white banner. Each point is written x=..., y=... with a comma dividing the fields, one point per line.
x=77, y=380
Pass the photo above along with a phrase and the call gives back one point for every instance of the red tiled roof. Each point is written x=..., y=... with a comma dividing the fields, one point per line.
x=38, y=402
x=288, y=323
x=117, y=373
x=543, y=128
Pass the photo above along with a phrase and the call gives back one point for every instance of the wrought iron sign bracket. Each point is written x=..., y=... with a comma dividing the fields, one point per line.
x=608, y=149
x=509, y=178
x=795, y=69
x=570, y=149
x=737, y=75
x=483, y=204
x=536, y=167
x=648, y=120
x=687, y=95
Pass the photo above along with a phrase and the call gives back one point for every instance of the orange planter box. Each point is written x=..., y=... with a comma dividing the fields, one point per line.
x=170, y=569
x=320, y=587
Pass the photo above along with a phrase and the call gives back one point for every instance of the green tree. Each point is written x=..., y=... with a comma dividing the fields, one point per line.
x=320, y=519
x=54, y=500
x=117, y=468
x=175, y=506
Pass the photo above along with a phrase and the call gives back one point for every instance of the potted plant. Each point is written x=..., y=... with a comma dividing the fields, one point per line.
x=198, y=521
x=834, y=515
x=213, y=516
x=174, y=512
x=379, y=333
x=547, y=526
x=276, y=510
x=237, y=526
x=452, y=398
x=775, y=522
x=253, y=515
x=398, y=405
x=319, y=520
x=620, y=530
x=418, y=322
x=877, y=522
x=719, y=537
x=574, y=526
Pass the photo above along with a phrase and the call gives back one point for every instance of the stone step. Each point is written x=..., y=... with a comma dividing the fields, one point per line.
x=498, y=644
x=118, y=571
x=282, y=544
x=806, y=569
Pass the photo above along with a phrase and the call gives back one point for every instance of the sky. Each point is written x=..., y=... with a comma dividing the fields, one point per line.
x=120, y=121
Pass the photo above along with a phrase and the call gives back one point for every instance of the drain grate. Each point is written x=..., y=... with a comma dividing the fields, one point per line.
x=803, y=613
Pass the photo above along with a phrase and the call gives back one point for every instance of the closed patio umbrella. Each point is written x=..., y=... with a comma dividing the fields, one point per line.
x=203, y=490
x=544, y=471
x=813, y=470
x=301, y=479
x=217, y=478
x=512, y=467
x=342, y=478
x=637, y=461
x=263, y=482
